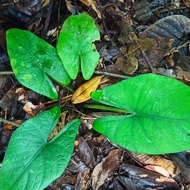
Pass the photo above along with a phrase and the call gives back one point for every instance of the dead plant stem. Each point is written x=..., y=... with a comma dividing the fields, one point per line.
x=9, y=122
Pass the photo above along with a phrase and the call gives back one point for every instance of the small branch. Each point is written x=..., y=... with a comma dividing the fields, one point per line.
x=6, y=73
x=112, y=75
x=9, y=122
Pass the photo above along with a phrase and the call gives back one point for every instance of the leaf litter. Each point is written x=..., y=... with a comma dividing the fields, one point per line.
x=159, y=36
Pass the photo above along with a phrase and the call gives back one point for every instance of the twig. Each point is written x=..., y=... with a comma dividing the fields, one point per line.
x=6, y=72
x=112, y=75
x=9, y=122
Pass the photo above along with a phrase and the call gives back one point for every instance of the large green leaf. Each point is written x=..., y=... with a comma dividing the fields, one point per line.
x=75, y=45
x=31, y=59
x=31, y=162
x=159, y=122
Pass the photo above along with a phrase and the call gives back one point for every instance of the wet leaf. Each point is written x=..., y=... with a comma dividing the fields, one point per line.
x=144, y=179
x=78, y=32
x=158, y=106
x=76, y=164
x=34, y=61
x=82, y=94
x=105, y=167
x=84, y=152
x=31, y=156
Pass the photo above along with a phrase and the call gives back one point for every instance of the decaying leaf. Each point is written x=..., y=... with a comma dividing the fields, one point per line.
x=92, y=4
x=142, y=10
x=83, y=180
x=140, y=52
x=140, y=178
x=70, y=6
x=84, y=152
x=76, y=165
x=105, y=167
x=187, y=3
x=139, y=44
x=181, y=161
x=173, y=27
x=82, y=94
x=29, y=107
x=166, y=166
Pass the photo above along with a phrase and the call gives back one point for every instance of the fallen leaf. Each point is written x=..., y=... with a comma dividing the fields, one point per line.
x=84, y=152
x=158, y=169
x=155, y=163
x=187, y=3
x=92, y=4
x=29, y=107
x=134, y=178
x=82, y=94
x=142, y=10
x=105, y=167
x=83, y=180
x=173, y=27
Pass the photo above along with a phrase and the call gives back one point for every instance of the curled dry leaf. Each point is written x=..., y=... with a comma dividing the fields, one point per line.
x=105, y=167
x=29, y=107
x=82, y=94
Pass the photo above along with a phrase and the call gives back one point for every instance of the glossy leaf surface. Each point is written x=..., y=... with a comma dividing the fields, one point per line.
x=75, y=45
x=31, y=162
x=33, y=60
x=159, y=119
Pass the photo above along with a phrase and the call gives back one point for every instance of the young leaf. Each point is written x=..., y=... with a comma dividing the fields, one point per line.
x=75, y=45
x=159, y=119
x=32, y=60
x=31, y=162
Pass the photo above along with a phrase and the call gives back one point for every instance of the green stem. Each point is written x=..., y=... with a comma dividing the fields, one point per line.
x=68, y=88
x=106, y=108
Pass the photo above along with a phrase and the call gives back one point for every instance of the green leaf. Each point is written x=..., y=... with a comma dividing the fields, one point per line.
x=31, y=162
x=159, y=122
x=75, y=45
x=32, y=59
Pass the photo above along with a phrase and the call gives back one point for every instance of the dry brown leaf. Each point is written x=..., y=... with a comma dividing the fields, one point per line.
x=29, y=107
x=82, y=94
x=129, y=62
x=166, y=164
x=105, y=167
x=92, y=4
x=83, y=180
x=187, y=3
x=158, y=169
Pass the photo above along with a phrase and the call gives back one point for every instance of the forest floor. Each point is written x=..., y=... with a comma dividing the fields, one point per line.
x=137, y=37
